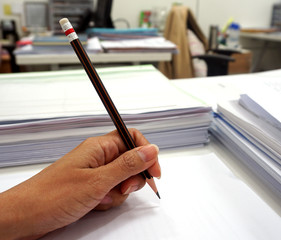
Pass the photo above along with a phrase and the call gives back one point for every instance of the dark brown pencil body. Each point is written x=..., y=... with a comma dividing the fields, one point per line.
x=104, y=96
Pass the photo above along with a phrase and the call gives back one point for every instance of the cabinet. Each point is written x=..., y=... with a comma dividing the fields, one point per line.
x=242, y=63
x=72, y=9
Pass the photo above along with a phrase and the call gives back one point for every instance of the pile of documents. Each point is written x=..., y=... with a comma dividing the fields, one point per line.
x=155, y=44
x=44, y=115
x=250, y=127
x=55, y=44
x=132, y=40
x=122, y=34
x=99, y=40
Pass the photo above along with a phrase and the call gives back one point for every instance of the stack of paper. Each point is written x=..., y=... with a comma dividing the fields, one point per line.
x=154, y=44
x=252, y=132
x=122, y=34
x=54, y=45
x=132, y=40
x=45, y=115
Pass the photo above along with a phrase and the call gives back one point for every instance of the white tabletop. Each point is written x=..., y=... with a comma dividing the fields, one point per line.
x=71, y=58
x=207, y=192
x=240, y=206
x=274, y=37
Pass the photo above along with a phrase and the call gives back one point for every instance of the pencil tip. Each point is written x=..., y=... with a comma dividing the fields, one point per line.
x=158, y=195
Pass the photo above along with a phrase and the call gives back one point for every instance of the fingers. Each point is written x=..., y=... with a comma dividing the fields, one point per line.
x=120, y=193
x=137, y=136
x=129, y=164
x=155, y=170
x=113, y=199
x=140, y=140
x=132, y=184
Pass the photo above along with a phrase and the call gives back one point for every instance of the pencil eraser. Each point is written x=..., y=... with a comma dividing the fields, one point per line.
x=63, y=21
x=68, y=29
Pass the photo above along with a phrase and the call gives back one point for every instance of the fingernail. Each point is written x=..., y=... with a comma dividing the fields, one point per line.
x=131, y=189
x=159, y=177
x=106, y=200
x=148, y=152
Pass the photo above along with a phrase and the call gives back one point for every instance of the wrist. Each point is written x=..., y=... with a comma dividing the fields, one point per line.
x=14, y=217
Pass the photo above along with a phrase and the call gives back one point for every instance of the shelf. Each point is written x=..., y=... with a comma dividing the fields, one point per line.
x=71, y=9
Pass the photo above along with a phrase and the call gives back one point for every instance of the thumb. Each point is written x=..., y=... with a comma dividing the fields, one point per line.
x=129, y=164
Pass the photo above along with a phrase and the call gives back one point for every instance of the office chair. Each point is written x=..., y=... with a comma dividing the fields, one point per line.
x=179, y=20
x=101, y=18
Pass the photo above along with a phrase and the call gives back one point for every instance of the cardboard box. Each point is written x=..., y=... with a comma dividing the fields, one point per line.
x=242, y=63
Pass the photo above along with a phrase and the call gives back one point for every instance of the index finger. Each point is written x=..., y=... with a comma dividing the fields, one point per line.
x=139, y=140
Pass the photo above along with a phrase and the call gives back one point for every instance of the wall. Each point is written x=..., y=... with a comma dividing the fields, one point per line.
x=17, y=5
x=250, y=13
x=17, y=10
x=130, y=10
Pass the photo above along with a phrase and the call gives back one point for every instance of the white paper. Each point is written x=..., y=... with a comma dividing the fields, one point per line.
x=70, y=93
x=267, y=95
x=200, y=199
x=45, y=115
x=93, y=44
x=147, y=43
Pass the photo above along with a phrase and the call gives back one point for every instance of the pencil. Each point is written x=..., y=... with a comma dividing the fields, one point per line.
x=103, y=94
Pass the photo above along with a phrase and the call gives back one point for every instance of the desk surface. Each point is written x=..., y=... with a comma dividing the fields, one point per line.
x=254, y=213
x=215, y=214
x=275, y=37
x=51, y=59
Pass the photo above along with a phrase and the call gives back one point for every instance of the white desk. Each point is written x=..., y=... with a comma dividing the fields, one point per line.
x=255, y=213
x=54, y=60
x=215, y=89
x=274, y=37
x=252, y=212
x=265, y=40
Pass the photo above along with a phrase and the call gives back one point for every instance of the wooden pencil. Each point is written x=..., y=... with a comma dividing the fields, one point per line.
x=103, y=94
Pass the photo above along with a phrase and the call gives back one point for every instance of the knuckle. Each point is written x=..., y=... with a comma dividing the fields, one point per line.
x=129, y=162
x=89, y=141
x=138, y=137
x=97, y=183
x=134, y=132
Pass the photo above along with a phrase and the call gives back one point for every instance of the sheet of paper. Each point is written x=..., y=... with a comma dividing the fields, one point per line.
x=156, y=43
x=267, y=94
x=93, y=45
x=201, y=199
x=70, y=93
x=230, y=87
x=254, y=126
x=45, y=115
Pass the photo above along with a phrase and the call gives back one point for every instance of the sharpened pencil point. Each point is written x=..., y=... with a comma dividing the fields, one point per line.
x=158, y=195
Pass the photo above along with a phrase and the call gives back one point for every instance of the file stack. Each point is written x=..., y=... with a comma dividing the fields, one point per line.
x=54, y=45
x=132, y=40
x=44, y=115
x=250, y=128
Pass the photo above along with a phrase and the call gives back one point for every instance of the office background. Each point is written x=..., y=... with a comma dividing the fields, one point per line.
x=250, y=13
x=234, y=210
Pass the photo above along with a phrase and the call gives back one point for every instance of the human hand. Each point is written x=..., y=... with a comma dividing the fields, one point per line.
x=97, y=174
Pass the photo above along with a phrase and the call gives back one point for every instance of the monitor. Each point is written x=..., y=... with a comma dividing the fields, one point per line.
x=102, y=16
x=36, y=16
x=276, y=16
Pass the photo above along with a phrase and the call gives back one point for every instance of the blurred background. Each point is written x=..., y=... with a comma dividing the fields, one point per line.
x=256, y=22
